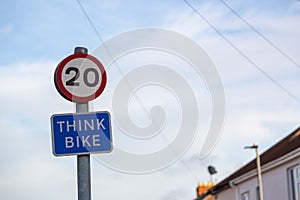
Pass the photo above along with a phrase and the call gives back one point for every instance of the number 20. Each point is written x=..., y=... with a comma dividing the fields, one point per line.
x=71, y=82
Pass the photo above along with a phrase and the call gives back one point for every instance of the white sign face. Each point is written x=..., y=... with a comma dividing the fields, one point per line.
x=80, y=78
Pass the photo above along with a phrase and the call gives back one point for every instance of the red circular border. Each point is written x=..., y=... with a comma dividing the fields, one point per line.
x=64, y=92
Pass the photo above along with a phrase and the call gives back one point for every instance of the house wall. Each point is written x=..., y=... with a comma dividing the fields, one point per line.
x=275, y=184
x=228, y=194
x=275, y=181
x=248, y=186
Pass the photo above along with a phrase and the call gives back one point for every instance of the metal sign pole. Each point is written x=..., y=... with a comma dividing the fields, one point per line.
x=72, y=79
x=83, y=161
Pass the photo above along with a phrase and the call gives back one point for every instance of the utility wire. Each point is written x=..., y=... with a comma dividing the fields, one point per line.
x=89, y=20
x=109, y=52
x=261, y=35
x=231, y=44
x=242, y=54
x=137, y=98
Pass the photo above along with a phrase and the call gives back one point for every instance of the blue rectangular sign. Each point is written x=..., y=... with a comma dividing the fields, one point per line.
x=81, y=133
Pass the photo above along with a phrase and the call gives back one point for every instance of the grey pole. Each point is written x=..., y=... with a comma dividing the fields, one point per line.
x=258, y=165
x=261, y=196
x=83, y=161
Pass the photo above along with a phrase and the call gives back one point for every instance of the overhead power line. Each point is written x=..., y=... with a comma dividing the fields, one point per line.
x=242, y=54
x=261, y=35
x=89, y=20
x=137, y=98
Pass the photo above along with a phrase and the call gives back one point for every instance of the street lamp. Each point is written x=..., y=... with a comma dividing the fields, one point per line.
x=254, y=146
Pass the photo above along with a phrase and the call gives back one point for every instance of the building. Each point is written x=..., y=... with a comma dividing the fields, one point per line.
x=280, y=167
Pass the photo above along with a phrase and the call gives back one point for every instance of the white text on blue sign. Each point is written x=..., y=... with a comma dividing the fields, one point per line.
x=81, y=133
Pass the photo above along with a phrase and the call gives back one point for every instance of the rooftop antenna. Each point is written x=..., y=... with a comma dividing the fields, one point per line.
x=212, y=170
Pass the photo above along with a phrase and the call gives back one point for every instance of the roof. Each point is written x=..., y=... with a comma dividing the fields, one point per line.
x=283, y=147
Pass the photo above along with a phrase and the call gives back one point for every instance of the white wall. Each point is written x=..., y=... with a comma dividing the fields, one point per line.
x=247, y=186
x=228, y=194
x=275, y=181
x=275, y=184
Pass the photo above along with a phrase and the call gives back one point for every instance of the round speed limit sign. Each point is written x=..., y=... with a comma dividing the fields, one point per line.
x=80, y=78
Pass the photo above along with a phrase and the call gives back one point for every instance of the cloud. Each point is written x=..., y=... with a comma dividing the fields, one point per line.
x=5, y=30
x=28, y=166
x=29, y=96
x=257, y=110
x=255, y=105
x=295, y=6
x=176, y=194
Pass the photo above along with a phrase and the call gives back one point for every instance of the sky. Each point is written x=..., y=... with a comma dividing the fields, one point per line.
x=253, y=46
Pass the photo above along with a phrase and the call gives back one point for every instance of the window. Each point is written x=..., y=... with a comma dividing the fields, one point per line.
x=294, y=183
x=246, y=196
